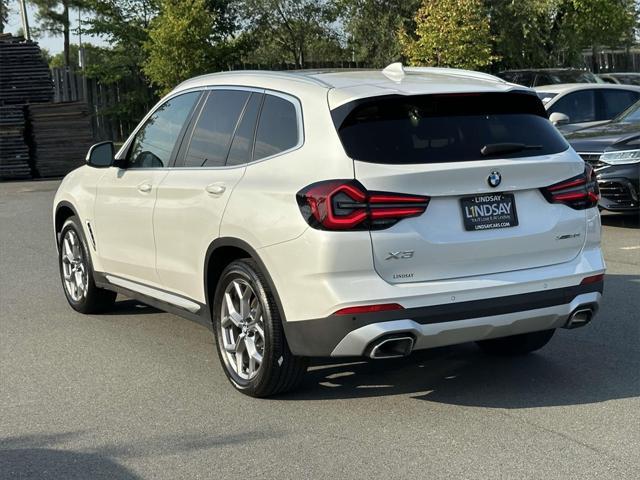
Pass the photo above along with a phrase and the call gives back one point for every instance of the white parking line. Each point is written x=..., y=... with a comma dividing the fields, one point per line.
x=635, y=247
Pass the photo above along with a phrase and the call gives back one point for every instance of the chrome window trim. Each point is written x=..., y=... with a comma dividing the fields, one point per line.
x=288, y=97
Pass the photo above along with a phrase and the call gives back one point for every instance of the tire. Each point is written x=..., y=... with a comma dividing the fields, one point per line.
x=246, y=334
x=74, y=256
x=517, y=344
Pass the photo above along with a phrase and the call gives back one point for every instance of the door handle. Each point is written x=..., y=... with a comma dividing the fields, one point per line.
x=215, y=189
x=144, y=187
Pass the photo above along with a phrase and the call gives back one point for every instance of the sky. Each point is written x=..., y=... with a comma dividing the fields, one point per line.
x=52, y=44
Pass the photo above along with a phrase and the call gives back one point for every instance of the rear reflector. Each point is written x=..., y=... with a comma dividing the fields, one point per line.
x=592, y=279
x=369, y=309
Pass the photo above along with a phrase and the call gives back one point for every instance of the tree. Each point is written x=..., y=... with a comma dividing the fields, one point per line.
x=449, y=33
x=124, y=25
x=523, y=32
x=548, y=33
x=53, y=17
x=4, y=14
x=292, y=30
x=371, y=27
x=185, y=39
x=594, y=23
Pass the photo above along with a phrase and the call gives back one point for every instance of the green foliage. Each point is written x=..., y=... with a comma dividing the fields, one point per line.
x=371, y=28
x=548, y=33
x=450, y=33
x=600, y=22
x=53, y=17
x=293, y=31
x=523, y=32
x=185, y=40
x=4, y=14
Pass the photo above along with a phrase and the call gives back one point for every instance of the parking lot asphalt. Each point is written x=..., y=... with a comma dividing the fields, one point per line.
x=139, y=393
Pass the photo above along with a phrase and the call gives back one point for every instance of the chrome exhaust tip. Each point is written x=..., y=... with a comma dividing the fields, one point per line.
x=580, y=317
x=391, y=347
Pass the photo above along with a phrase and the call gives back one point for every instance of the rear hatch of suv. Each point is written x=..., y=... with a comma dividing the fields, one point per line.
x=484, y=161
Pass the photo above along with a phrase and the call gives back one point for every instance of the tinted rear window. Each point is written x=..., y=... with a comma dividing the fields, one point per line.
x=277, y=128
x=444, y=128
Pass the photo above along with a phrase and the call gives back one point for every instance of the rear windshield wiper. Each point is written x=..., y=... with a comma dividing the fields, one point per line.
x=498, y=148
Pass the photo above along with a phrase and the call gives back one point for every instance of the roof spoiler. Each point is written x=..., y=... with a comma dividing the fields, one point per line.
x=397, y=71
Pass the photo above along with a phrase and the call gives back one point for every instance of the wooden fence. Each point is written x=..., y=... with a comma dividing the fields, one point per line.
x=113, y=116
x=614, y=61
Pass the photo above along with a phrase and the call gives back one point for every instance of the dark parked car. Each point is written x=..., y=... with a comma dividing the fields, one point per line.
x=621, y=78
x=548, y=76
x=613, y=150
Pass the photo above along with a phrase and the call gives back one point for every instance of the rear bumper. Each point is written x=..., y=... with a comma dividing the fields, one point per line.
x=439, y=325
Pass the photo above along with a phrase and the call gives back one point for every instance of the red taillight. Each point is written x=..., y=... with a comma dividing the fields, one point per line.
x=347, y=205
x=385, y=307
x=579, y=192
x=592, y=279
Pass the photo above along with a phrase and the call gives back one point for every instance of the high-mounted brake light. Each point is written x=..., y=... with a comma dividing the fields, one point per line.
x=347, y=205
x=579, y=192
x=385, y=307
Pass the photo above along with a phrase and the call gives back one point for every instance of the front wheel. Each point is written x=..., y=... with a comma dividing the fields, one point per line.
x=516, y=344
x=76, y=271
x=249, y=335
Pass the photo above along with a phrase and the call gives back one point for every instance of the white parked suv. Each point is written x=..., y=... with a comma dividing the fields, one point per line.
x=339, y=214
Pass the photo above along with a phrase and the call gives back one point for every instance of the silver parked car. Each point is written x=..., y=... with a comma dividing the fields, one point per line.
x=573, y=106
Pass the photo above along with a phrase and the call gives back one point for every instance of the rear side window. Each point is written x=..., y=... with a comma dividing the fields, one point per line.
x=445, y=128
x=614, y=102
x=212, y=134
x=580, y=106
x=277, y=127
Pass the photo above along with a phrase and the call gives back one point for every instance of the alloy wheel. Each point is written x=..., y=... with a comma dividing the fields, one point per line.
x=74, y=266
x=242, y=329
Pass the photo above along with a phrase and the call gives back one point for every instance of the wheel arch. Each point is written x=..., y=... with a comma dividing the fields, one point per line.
x=223, y=251
x=64, y=210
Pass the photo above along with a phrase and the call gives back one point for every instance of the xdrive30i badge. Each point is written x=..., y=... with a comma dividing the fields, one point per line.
x=494, y=179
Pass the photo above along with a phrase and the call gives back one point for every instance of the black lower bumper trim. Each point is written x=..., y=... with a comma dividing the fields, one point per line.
x=319, y=337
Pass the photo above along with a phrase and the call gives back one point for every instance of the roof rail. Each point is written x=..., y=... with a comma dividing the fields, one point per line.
x=268, y=73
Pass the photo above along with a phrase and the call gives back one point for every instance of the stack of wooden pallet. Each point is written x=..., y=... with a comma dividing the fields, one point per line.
x=24, y=79
x=62, y=135
x=24, y=74
x=14, y=153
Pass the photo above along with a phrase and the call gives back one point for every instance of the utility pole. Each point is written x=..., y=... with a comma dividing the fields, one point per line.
x=25, y=19
x=81, y=59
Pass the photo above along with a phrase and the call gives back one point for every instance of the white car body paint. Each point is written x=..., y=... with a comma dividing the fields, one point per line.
x=159, y=237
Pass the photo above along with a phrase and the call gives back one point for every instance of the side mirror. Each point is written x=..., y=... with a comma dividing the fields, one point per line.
x=101, y=155
x=558, y=118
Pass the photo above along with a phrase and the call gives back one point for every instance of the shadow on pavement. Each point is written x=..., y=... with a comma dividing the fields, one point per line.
x=629, y=220
x=131, y=307
x=37, y=457
x=597, y=363
x=45, y=463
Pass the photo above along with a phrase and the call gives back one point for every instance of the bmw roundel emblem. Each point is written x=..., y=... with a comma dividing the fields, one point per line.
x=494, y=179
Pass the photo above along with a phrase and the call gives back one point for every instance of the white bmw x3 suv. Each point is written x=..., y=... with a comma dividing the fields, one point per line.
x=333, y=214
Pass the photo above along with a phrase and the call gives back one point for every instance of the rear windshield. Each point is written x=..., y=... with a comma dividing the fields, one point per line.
x=445, y=128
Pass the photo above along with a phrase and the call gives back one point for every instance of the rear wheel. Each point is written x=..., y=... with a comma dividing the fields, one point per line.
x=516, y=344
x=76, y=271
x=249, y=335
